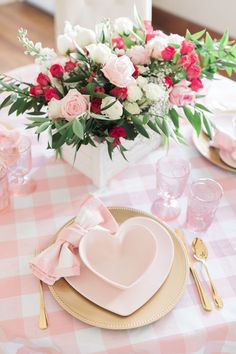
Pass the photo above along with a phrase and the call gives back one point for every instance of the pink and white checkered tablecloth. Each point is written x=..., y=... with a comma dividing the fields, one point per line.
x=32, y=221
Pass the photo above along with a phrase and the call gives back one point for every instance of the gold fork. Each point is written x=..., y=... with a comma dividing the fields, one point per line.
x=43, y=319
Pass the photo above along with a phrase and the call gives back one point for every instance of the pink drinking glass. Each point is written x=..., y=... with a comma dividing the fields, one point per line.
x=171, y=178
x=203, y=200
x=20, y=164
x=4, y=188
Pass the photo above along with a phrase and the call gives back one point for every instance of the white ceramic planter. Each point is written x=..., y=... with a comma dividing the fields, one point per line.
x=95, y=162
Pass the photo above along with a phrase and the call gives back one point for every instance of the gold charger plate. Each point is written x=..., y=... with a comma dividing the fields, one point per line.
x=201, y=142
x=158, y=306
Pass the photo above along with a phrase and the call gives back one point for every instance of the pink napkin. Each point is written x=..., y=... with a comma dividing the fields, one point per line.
x=223, y=141
x=61, y=258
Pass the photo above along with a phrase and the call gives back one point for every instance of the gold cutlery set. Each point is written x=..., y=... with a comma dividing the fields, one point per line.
x=200, y=253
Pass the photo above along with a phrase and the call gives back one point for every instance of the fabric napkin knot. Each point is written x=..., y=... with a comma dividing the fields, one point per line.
x=223, y=141
x=61, y=259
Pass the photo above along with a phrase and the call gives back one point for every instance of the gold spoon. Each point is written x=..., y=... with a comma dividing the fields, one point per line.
x=200, y=252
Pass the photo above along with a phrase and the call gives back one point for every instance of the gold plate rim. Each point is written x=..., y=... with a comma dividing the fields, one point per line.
x=210, y=153
x=133, y=324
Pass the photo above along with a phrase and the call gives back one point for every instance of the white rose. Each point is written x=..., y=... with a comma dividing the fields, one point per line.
x=134, y=93
x=54, y=109
x=65, y=43
x=99, y=53
x=157, y=45
x=113, y=112
x=132, y=107
x=141, y=81
x=84, y=36
x=123, y=25
x=175, y=39
x=154, y=92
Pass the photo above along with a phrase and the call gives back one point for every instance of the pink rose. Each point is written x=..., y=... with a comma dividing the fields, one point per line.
x=193, y=71
x=139, y=55
x=119, y=70
x=181, y=94
x=168, y=52
x=187, y=47
x=73, y=105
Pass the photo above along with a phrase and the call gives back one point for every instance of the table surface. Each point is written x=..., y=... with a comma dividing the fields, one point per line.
x=33, y=219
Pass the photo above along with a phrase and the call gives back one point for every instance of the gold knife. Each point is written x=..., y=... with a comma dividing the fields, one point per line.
x=201, y=292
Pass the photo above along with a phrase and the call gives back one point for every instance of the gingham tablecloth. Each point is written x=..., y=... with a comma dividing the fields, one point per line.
x=31, y=222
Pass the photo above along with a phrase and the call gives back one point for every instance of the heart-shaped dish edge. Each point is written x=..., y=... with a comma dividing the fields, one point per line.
x=125, y=225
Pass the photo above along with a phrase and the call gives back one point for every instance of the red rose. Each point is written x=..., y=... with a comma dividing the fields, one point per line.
x=185, y=61
x=50, y=93
x=196, y=84
x=168, y=81
x=168, y=53
x=69, y=65
x=43, y=79
x=57, y=71
x=187, y=47
x=117, y=133
x=36, y=90
x=120, y=92
x=193, y=57
x=118, y=42
x=136, y=70
x=150, y=36
x=96, y=104
x=193, y=71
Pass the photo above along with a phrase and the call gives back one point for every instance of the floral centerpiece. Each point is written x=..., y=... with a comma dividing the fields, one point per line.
x=119, y=81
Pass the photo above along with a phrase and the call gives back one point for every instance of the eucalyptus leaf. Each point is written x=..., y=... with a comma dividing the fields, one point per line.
x=78, y=128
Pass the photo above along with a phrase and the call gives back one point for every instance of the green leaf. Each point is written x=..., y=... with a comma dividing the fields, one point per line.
x=202, y=107
x=36, y=113
x=224, y=40
x=13, y=108
x=99, y=116
x=197, y=35
x=197, y=122
x=207, y=125
x=6, y=102
x=43, y=127
x=188, y=113
x=153, y=127
x=209, y=41
x=78, y=128
x=141, y=129
x=174, y=117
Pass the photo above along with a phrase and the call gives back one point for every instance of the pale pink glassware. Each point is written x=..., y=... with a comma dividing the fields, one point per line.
x=20, y=164
x=171, y=178
x=203, y=200
x=4, y=188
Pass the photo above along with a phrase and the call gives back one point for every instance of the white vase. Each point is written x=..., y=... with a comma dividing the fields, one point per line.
x=95, y=162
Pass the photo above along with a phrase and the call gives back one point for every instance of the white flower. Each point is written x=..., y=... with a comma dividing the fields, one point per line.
x=54, y=109
x=65, y=43
x=84, y=36
x=123, y=25
x=154, y=92
x=134, y=93
x=99, y=53
x=113, y=112
x=132, y=107
x=157, y=45
x=175, y=39
x=141, y=81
